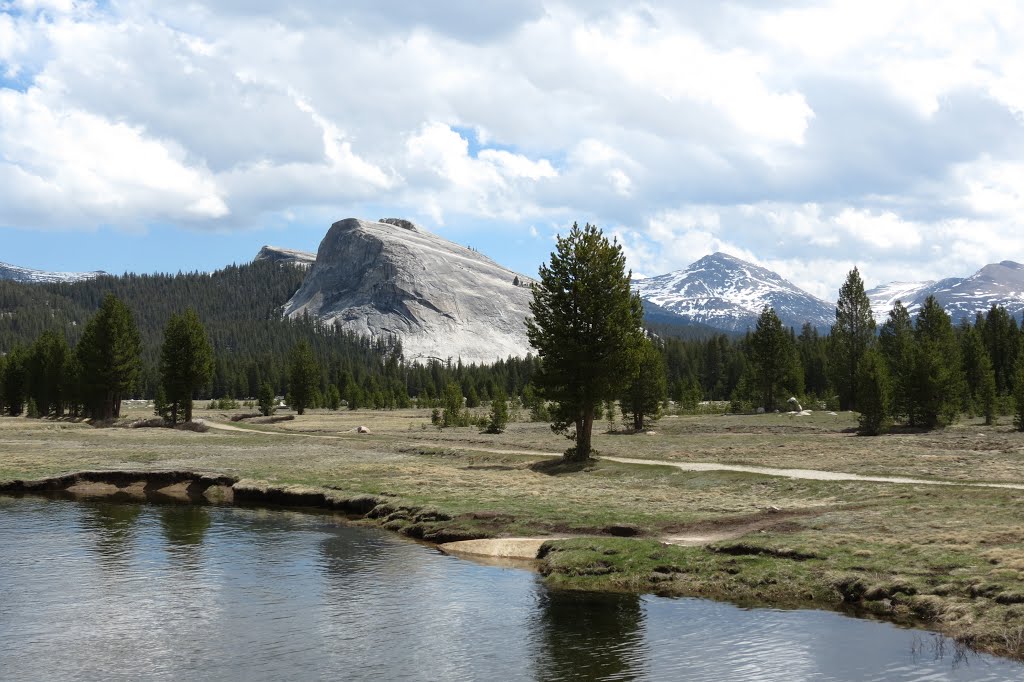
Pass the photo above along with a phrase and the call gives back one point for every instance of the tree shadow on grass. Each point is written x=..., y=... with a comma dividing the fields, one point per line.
x=560, y=466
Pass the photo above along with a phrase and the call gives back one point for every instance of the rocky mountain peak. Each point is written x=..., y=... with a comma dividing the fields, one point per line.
x=277, y=254
x=728, y=293
x=386, y=280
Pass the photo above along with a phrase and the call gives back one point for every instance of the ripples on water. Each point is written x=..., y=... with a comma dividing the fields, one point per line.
x=97, y=590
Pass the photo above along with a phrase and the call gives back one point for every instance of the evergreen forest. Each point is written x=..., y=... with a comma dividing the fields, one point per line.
x=922, y=371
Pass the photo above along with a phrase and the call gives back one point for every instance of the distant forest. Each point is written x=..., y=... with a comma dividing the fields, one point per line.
x=240, y=307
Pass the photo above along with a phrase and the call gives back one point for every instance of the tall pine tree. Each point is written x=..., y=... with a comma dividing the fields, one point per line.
x=586, y=329
x=774, y=362
x=896, y=343
x=109, y=353
x=303, y=377
x=186, y=363
x=938, y=382
x=852, y=336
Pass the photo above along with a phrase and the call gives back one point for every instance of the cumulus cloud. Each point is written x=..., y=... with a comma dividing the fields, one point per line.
x=805, y=136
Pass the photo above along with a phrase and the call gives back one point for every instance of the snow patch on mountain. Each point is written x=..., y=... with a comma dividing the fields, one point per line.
x=728, y=293
x=17, y=273
x=962, y=297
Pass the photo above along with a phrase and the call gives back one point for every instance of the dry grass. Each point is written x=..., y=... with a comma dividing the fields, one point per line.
x=953, y=557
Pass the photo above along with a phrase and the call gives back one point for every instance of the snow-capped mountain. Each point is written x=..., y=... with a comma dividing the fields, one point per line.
x=728, y=293
x=910, y=294
x=995, y=284
x=20, y=274
x=277, y=254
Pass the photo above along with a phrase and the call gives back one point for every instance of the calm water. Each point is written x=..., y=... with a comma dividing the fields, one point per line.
x=95, y=590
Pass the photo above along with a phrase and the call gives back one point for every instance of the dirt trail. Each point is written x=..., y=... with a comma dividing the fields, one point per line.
x=805, y=474
x=808, y=474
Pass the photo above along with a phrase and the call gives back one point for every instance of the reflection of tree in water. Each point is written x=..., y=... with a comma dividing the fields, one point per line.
x=588, y=636
x=184, y=525
x=184, y=528
x=113, y=525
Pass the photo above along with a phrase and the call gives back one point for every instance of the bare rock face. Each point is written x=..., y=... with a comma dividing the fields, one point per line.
x=394, y=280
x=276, y=254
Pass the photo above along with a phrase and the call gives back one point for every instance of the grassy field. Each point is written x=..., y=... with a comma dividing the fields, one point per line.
x=951, y=557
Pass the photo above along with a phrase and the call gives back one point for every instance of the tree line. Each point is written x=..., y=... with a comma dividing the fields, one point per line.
x=57, y=359
x=921, y=372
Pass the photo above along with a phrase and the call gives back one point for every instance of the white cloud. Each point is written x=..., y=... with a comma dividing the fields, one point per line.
x=105, y=170
x=806, y=135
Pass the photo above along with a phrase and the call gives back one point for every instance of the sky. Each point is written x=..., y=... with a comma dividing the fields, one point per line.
x=808, y=137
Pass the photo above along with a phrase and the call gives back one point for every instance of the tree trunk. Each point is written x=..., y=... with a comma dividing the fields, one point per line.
x=188, y=409
x=584, y=430
x=174, y=413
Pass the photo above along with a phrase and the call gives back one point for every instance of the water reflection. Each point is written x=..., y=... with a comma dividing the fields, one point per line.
x=185, y=525
x=178, y=592
x=112, y=526
x=589, y=636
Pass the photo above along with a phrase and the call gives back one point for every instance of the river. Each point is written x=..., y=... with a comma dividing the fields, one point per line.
x=100, y=590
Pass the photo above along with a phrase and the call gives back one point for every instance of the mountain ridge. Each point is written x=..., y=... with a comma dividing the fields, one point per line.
x=729, y=293
x=961, y=297
x=17, y=273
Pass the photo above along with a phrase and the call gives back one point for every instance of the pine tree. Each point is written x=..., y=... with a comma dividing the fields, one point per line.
x=333, y=398
x=1018, y=393
x=852, y=335
x=586, y=327
x=874, y=394
x=937, y=376
x=774, y=364
x=1000, y=337
x=498, y=418
x=976, y=366
x=303, y=377
x=452, y=413
x=896, y=343
x=161, y=408
x=267, y=400
x=3, y=365
x=472, y=398
x=186, y=362
x=109, y=353
x=47, y=365
x=813, y=352
x=14, y=382
x=647, y=390
x=987, y=390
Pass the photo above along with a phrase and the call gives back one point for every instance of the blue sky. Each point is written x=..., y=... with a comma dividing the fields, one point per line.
x=807, y=137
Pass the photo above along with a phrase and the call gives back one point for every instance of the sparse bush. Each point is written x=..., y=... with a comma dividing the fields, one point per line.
x=227, y=403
